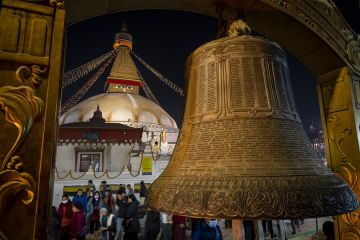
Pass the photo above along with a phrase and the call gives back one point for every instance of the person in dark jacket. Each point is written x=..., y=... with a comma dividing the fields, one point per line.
x=80, y=198
x=328, y=229
x=143, y=192
x=152, y=225
x=249, y=230
x=107, y=224
x=77, y=222
x=54, y=225
x=109, y=201
x=102, y=188
x=121, y=205
x=131, y=221
x=178, y=228
x=65, y=215
x=93, y=212
x=207, y=229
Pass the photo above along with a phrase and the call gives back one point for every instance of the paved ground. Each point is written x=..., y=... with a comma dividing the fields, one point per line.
x=307, y=230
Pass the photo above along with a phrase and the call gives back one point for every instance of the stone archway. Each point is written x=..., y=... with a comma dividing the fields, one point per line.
x=30, y=67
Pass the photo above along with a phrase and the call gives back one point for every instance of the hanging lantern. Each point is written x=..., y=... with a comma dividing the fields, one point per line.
x=242, y=151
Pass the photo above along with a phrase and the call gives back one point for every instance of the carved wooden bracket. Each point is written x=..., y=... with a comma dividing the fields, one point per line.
x=21, y=108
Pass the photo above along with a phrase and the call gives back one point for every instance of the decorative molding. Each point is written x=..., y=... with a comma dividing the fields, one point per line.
x=350, y=233
x=32, y=76
x=334, y=122
x=250, y=200
x=21, y=108
x=324, y=19
x=356, y=89
x=54, y=3
x=57, y=3
x=346, y=171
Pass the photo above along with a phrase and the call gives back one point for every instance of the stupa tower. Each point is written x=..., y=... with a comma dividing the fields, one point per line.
x=124, y=76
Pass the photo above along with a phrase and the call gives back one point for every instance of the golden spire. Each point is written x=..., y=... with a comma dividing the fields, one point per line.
x=124, y=76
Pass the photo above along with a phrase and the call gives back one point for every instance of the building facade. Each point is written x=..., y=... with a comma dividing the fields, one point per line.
x=118, y=136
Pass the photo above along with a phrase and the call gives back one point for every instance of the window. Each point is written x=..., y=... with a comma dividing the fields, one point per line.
x=89, y=161
x=91, y=135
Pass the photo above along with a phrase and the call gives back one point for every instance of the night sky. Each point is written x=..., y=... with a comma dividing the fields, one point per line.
x=164, y=39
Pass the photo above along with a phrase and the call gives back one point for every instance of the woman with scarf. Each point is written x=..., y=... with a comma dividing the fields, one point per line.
x=107, y=224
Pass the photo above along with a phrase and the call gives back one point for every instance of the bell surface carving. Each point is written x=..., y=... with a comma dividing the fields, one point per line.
x=242, y=151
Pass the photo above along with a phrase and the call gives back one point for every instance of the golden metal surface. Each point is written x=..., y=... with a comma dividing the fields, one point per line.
x=31, y=38
x=242, y=151
x=309, y=24
x=21, y=108
x=338, y=96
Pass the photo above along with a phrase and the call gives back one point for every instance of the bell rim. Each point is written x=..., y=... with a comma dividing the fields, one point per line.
x=346, y=202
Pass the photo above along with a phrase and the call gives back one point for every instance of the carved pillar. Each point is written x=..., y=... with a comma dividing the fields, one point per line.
x=339, y=99
x=31, y=37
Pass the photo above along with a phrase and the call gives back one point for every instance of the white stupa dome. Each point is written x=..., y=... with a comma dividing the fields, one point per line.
x=128, y=109
x=122, y=103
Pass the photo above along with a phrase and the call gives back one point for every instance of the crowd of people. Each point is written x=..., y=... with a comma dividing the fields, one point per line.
x=97, y=214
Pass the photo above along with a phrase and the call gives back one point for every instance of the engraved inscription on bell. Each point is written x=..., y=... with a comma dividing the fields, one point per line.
x=242, y=151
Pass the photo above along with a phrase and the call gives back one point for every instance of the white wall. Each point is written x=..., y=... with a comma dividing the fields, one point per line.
x=65, y=157
x=119, y=156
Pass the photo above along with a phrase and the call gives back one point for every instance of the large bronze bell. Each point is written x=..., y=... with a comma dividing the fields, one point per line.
x=242, y=151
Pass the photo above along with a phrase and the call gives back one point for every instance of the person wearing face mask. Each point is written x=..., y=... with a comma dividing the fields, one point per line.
x=207, y=229
x=65, y=215
x=93, y=211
